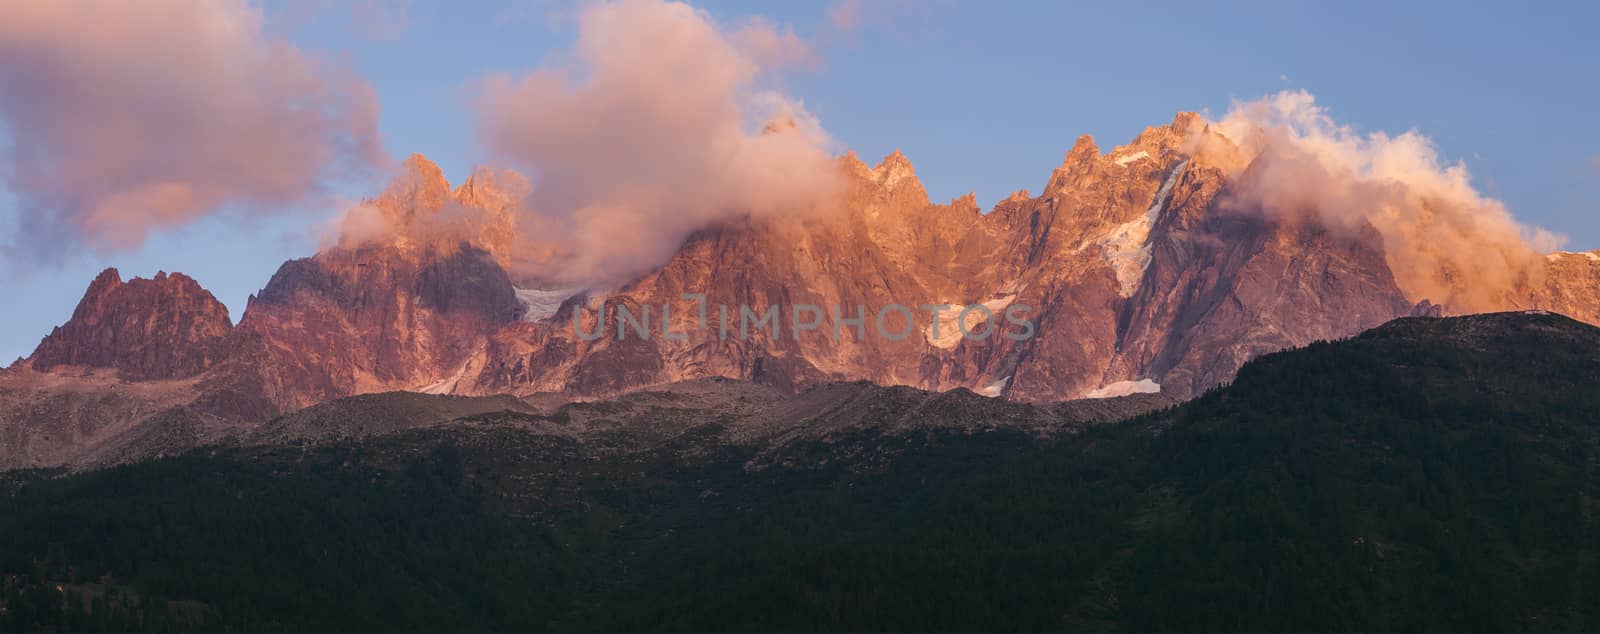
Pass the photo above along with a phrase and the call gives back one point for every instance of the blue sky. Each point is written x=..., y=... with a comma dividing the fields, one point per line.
x=982, y=98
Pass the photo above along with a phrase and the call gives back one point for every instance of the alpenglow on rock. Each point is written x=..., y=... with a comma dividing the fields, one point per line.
x=1139, y=272
x=162, y=328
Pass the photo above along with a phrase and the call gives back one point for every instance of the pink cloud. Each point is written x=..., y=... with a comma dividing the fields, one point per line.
x=848, y=16
x=845, y=15
x=772, y=47
x=1446, y=241
x=131, y=117
x=658, y=127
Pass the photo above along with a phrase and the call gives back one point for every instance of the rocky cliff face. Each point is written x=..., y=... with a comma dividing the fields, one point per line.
x=1135, y=276
x=1139, y=271
x=410, y=310
x=1571, y=286
x=162, y=328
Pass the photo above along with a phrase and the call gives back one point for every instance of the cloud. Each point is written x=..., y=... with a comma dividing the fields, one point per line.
x=771, y=47
x=131, y=117
x=845, y=15
x=659, y=126
x=418, y=210
x=1444, y=240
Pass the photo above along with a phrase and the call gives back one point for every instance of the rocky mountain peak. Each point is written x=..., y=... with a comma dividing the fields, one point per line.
x=418, y=214
x=1080, y=161
x=160, y=328
x=490, y=188
x=891, y=184
x=1160, y=142
x=420, y=188
x=425, y=170
x=853, y=165
x=1083, y=150
x=102, y=285
x=895, y=172
x=493, y=197
x=1185, y=122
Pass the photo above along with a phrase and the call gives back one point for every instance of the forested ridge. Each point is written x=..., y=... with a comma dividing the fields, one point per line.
x=1433, y=474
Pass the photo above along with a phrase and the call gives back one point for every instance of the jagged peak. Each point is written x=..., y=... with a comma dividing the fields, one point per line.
x=895, y=163
x=418, y=188
x=418, y=177
x=109, y=278
x=854, y=165
x=1081, y=159
x=481, y=178
x=146, y=328
x=1082, y=149
x=489, y=185
x=895, y=171
x=1156, y=141
x=421, y=165
x=1185, y=121
x=1018, y=196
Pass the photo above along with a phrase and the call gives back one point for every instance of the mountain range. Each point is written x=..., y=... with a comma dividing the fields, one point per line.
x=1139, y=271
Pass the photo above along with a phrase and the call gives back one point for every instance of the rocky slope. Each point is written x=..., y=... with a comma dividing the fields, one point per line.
x=1571, y=286
x=1133, y=270
x=1133, y=273
x=393, y=312
x=721, y=411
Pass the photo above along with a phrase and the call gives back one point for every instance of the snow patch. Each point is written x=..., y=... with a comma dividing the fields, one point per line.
x=1124, y=388
x=950, y=329
x=1127, y=246
x=1125, y=160
x=1594, y=256
x=539, y=304
x=993, y=390
x=448, y=385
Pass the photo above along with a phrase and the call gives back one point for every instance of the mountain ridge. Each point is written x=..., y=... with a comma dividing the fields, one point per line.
x=1137, y=267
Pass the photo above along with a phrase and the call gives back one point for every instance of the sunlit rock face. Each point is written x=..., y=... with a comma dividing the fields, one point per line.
x=410, y=305
x=1130, y=268
x=1139, y=270
x=167, y=327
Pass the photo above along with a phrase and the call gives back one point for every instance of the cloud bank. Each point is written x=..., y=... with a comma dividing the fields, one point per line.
x=657, y=127
x=125, y=118
x=1444, y=240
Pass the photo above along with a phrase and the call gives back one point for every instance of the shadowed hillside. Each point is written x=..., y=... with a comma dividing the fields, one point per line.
x=1431, y=474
